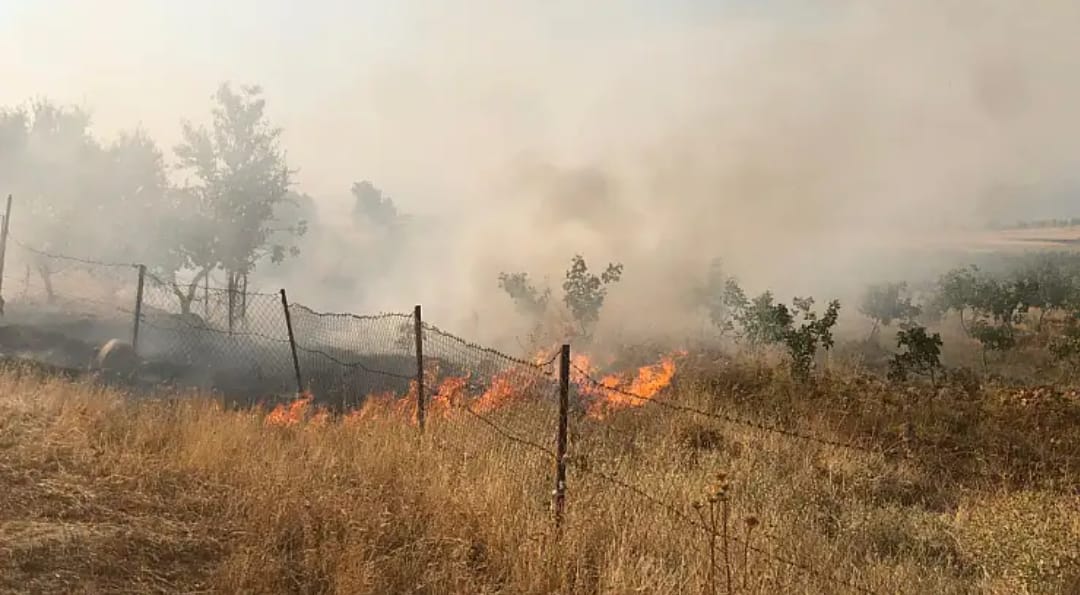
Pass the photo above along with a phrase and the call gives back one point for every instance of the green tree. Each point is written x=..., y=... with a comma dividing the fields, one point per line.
x=921, y=354
x=1047, y=286
x=584, y=293
x=762, y=320
x=802, y=342
x=722, y=298
x=238, y=177
x=995, y=305
x=887, y=303
x=528, y=299
x=76, y=196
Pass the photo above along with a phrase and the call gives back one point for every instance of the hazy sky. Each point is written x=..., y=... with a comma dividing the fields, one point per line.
x=364, y=89
x=781, y=135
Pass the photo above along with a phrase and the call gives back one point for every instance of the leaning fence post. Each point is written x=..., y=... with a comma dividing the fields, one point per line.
x=232, y=300
x=138, y=309
x=3, y=249
x=560, y=445
x=292, y=342
x=418, y=324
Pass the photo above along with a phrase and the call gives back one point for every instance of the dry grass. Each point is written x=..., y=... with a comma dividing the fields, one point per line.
x=101, y=493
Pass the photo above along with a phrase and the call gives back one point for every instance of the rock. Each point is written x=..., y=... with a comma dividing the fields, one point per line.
x=117, y=356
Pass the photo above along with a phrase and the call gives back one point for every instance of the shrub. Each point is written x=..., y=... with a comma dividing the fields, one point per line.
x=584, y=292
x=921, y=354
x=886, y=303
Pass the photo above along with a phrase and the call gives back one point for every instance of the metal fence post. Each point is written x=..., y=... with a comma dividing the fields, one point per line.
x=560, y=445
x=3, y=250
x=138, y=309
x=418, y=323
x=292, y=342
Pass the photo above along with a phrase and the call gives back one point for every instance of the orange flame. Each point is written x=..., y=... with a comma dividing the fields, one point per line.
x=601, y=398
x=290, y=414
x=451, y=391
x=619, y=391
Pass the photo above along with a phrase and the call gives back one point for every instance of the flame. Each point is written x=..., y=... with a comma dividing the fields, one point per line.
x=617, y=391
x=290, y=414
x=451, y=391
x=385, y=405
x=601, y=398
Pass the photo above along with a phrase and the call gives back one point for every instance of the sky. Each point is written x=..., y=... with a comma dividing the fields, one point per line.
x=799, y=140
x=347, y=80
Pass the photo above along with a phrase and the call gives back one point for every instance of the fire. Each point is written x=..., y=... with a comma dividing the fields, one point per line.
x=290, y=414
x=451, y=391
x=500, y=393
x=625, y=391
x=387, y=404
x=600, y=398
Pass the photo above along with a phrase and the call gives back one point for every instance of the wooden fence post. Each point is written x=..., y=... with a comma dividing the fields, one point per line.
x=418, y=324
x=3, y=250
x=292, y=343
x=138, y=309
x=560, y=445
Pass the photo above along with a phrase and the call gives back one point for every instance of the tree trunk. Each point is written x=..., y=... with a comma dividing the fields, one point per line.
x=46, y=278
x=186, y=295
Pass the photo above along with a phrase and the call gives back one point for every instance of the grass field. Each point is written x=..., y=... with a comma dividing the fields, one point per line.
x=104, y=493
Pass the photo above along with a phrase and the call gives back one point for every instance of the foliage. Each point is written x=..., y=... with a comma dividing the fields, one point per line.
x=584, y=292
x=528, y=299
x=886, y=303
x=77, y=195
x=722, y=298
x=802, y=342
x=921, y=354
x=1066, y=346
x=1047, y=286
x=995, y=305
x=371, y=205
x=800, y=329
x=239, y=178
x=763, y=321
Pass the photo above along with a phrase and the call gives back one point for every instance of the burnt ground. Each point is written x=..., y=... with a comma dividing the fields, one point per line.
x=241, y=371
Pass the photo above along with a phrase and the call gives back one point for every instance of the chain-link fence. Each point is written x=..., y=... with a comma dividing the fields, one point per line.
x=545, y=419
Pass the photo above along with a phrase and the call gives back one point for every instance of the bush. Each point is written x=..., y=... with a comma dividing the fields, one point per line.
x=887, y=303
x=921, y=354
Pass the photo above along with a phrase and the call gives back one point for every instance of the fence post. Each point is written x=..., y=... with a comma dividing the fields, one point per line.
x=3, y=250
x=560, y=445
x=231, y=285
x=292, y=342
x=418, y=324
x=138, y=309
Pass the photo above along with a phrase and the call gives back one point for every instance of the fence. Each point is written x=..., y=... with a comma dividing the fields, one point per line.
x=549, y=418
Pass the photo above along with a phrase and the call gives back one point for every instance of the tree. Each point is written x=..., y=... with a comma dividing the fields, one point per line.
x=763, y=321
x=528, y=299
x=921, y=354
x=722, y=298
x=802, y=342
x=75, y=196
x=1047, y=286
x=996, y=306
x=584, y=292
x=372, y=206
x=886, y=303
x=238, y=178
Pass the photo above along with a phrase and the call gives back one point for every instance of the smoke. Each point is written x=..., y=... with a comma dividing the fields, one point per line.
x=811, y=146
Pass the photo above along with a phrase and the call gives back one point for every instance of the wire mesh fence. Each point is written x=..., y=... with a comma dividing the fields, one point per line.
x=469, y=399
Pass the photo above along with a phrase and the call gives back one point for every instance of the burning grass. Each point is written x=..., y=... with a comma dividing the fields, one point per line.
x=102, y=493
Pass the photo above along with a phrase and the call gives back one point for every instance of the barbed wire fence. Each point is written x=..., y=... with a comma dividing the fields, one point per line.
x=536, y=414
